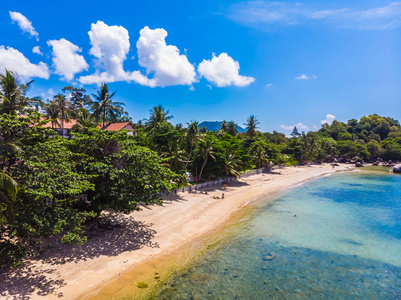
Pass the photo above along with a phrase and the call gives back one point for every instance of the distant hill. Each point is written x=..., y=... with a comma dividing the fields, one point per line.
x=215, y=126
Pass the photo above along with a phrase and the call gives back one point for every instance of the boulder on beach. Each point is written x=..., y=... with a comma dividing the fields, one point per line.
x=397, y=169
x=358, y=164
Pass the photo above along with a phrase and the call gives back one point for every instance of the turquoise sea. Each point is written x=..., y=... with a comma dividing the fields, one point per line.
x=343, y=243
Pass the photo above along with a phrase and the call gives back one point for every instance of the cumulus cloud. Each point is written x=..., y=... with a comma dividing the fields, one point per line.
x=165, y=62
x=329, y=119
x=305, y=77
x=223, y=71
x=36, y=50
x=15, y=61
x=24, y=24
x=110, y=45
x=264, y=14
x=300, y=127
x=66, y=60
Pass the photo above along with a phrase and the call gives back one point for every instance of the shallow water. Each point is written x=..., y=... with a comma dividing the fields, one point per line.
x=344, y=243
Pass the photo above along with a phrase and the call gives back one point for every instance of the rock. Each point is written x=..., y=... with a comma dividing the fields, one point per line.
x=358, y=164
x=397, y=169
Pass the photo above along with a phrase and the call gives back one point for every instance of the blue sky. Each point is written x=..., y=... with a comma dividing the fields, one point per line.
x=289, y=62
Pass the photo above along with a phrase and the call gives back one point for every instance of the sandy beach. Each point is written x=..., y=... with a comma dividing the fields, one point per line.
x=80, y=272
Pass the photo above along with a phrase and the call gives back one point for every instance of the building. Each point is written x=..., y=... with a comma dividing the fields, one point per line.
x=120, y=126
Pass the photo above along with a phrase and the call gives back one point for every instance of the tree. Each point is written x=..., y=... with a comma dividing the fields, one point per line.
x=232, y=163
x=251, y=126
x=63, y=109
x=84, y=120
x=8, y=194
x=193, y=137
x=206, y=150
x=12, y=94
x=223, y=127
x=295, y=132
x=232, y=128
x=158, y=117
x=174, y=156
x=104, y=108
x=258, y=153
x=77, y=97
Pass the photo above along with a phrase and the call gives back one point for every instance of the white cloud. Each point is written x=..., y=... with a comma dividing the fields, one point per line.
x=300, y=127
x=269, y=85
x=305, y=77
x=66, y=60
x=191, y=88
x=223, y=71
x=24, y=24
x=165, y=62
x=15, y=61
x=264, y=14
x=50, y=92
x=110, y=45
x=36, y=50
x=329, y=119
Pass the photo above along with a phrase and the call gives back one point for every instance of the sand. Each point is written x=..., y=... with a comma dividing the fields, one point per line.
x=80, y=272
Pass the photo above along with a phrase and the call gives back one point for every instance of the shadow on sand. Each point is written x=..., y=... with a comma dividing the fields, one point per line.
x=38, y=276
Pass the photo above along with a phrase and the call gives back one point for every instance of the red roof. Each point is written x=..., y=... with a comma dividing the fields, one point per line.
x=67, y=125
x=116, y=126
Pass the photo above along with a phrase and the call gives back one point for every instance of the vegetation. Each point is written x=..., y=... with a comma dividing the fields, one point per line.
x=52, y=186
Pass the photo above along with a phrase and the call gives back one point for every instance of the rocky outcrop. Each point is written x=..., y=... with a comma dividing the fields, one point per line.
x=358, y=164
x=397, y=169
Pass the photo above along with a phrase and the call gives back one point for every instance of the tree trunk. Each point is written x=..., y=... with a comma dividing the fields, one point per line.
x=62, y=126
x=204, y=163
x=190, y=152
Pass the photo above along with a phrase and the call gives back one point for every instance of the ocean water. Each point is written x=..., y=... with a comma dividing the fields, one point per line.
x=343, y=243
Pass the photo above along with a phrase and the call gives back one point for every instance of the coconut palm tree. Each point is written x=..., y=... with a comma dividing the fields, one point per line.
x=85, y=120
x=251, y=126
x=63, y=109
x=12, y=94
x=223, y=127
x=206, y=150
x=231, y=165
x=158, y=117
x=258, y=153
x=174, y=155
x=232, y=128
x=52, y=113
x=104, y=108
x=8, y=194
x=193, y=136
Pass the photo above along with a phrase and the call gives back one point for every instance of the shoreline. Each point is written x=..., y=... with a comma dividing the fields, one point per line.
x=154, y=233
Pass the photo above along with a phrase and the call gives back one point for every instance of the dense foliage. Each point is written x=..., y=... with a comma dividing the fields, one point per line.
x=52, y=186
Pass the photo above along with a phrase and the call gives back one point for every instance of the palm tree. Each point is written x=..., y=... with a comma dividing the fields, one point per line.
x=63, y=108
x=223, y=126
x=232, y=128
x=8, y=194
x=85, y=120
x=258, y=153
x=174, y=155
x=231, y=165
x=52, y=113
x=12, y=94
x=158, y=117
x=206, y=150
x=193, y=137
x=251, y=126
x=104, y=107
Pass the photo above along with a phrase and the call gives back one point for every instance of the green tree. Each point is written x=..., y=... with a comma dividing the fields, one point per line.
x=12, y=94
x=103, y=106
x=63, y=109
x=206, y=150
x=232, y=128
x=8, y=194
x=251, y=126
x=158, y=117
x=193, y=137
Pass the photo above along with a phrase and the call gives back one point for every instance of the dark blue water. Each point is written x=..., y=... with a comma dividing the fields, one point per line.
x=344, y=243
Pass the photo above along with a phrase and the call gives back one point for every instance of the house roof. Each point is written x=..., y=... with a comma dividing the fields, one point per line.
x=67, y=124
x=116, y=126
